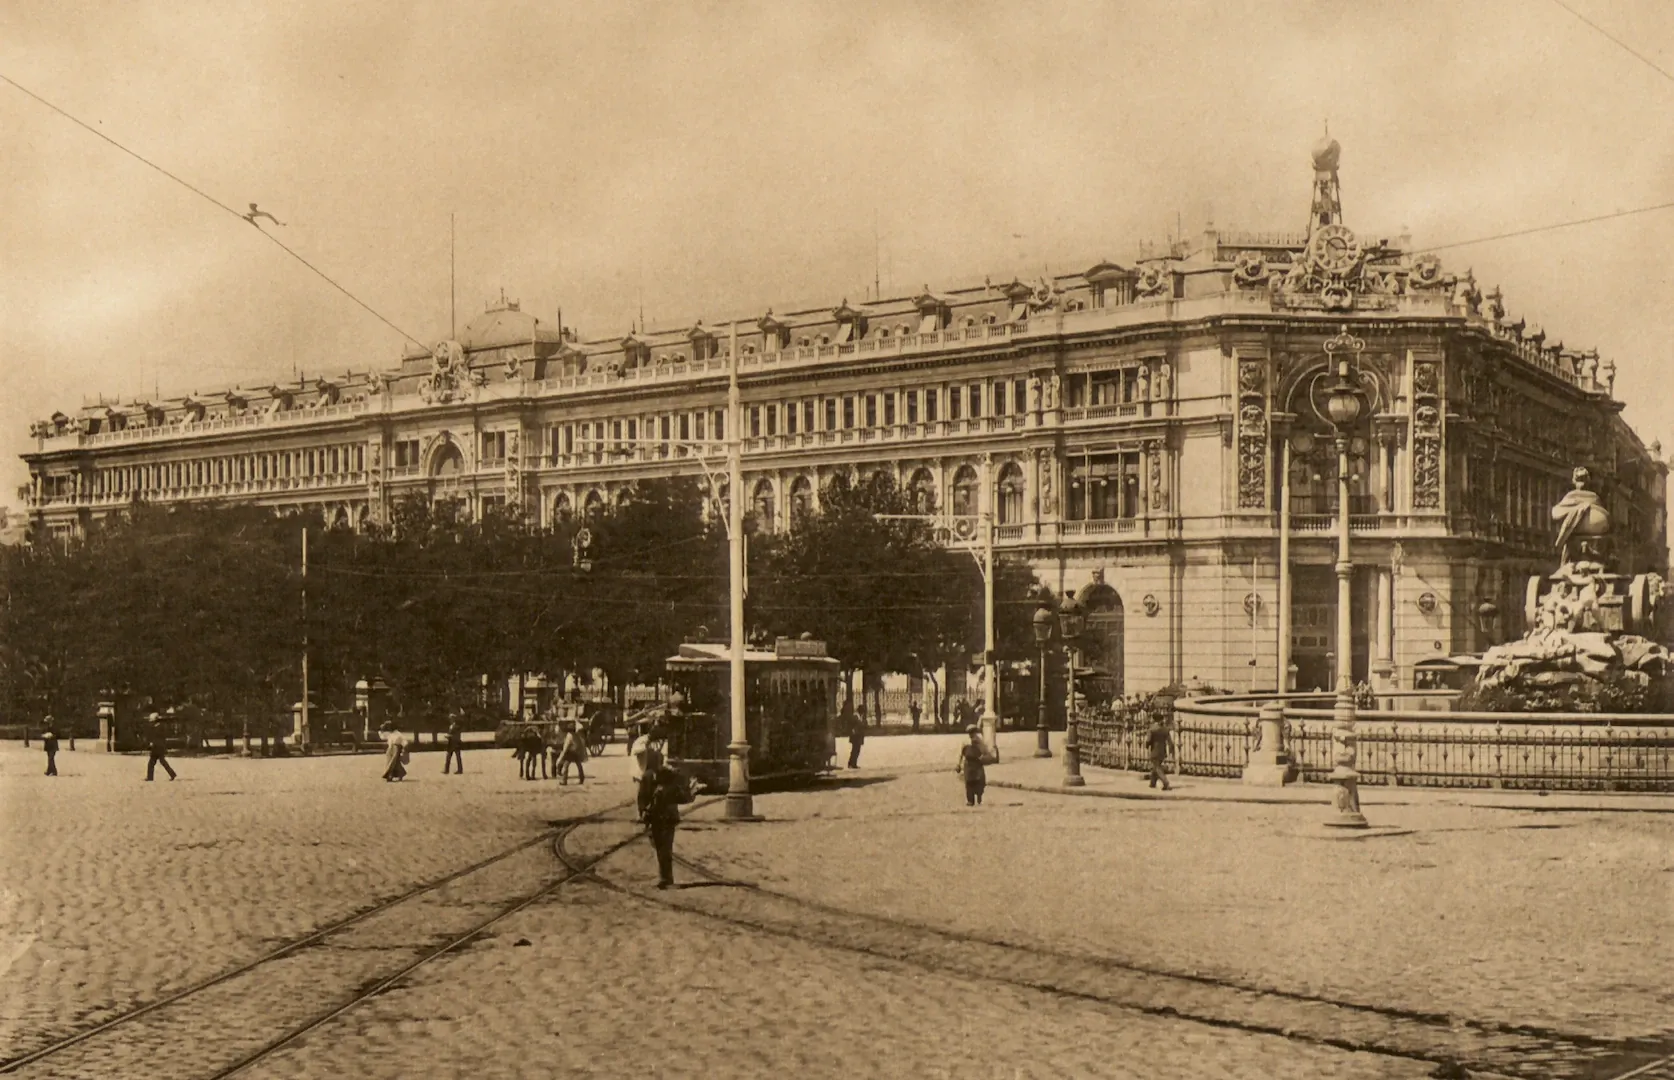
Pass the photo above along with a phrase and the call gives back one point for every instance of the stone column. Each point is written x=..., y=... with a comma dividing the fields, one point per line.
x=1383, y=659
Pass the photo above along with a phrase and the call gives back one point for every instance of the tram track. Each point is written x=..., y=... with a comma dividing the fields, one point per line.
x=1444, y=1041
x=352, y=951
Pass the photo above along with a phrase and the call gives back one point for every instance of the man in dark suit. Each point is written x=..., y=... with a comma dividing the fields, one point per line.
x=857, y=737
x=661, y=791
x=159, y=742
x=456, y=747
x=49, y=743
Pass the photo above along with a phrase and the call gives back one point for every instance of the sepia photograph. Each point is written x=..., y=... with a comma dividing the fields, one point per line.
x=1109, y=539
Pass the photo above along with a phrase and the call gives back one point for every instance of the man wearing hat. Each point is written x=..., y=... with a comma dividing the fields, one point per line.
x=49, y=743
x=661, y=792
x=159, y=742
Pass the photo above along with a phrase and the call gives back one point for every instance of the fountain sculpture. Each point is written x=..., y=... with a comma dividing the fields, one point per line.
x=1586, y=641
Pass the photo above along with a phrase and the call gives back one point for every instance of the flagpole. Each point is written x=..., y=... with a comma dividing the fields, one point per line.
x=740, y=806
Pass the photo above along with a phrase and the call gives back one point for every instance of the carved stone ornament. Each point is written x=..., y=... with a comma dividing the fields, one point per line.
x=1426, y=473
x=1250, y=269
x=1153, y=282
x=1160, y=386
x=1252, y=435
x=1151, y=605
x=449, y=373
x=1159, y=494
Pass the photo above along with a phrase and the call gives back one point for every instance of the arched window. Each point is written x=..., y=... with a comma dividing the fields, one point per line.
x=560, y=508
x=762, y=503
x=964, y=492
x=1105, y=633
x=921, y=492
x=1009, y=495
x=594, y=506
x=447, y=461
x=801, y=498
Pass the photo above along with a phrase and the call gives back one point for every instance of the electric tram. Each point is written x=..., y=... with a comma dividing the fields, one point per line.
x=790, y=695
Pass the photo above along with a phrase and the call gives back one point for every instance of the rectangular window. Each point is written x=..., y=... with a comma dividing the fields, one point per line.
x=569, y=438
x=701, y=417
x=1020, y=396
x=912, y=406
x=1075, y=391
x=808, y=415
x=685, y=427
x=889, y=409
x=871, y=410
x=662, y=426
x=633, y=429
x=1000, y=399
x=1130, y=385
x=791, y=412
x=616, y=434
x=848, y=413
x=720, y=424
x=831, y=414
x=976, y=401
x=932, y=399
x=755, y=421
x=955, y=403
x=772, y=419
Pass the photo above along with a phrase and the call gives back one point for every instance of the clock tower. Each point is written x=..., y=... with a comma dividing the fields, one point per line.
x=1328, y=203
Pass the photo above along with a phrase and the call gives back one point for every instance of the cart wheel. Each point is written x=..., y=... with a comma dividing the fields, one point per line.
x=596, y=746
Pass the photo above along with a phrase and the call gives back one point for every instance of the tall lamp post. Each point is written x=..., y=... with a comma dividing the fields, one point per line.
x=1344, y=406
x=1042, y=624
x=1071, y=619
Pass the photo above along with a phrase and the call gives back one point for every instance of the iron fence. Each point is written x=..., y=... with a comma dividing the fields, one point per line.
x=1561, y=752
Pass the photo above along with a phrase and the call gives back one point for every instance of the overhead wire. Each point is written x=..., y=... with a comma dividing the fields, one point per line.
x=194, y=189
x=1635, y=53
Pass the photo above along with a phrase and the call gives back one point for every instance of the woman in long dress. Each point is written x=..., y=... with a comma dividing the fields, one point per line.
x=395, y=755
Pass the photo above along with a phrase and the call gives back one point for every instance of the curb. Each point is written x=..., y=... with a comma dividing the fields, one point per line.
x=1325, y=800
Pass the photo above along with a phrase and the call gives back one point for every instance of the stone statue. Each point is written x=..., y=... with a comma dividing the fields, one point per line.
x=1160, y=384
x=1581, y=517
x=1051, y=395
x=1035, y=392
x=1144, y=384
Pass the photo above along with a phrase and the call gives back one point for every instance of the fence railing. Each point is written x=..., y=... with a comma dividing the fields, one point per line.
x=1214, y=736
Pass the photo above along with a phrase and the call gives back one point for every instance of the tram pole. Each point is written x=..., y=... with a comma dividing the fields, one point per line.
x=739, y=806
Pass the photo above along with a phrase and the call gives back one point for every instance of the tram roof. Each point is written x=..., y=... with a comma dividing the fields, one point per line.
x=704, y=654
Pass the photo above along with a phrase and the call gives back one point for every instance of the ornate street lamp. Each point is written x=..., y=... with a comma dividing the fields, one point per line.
x=1042, y=624
x=1071, y=620
x=1344, y=406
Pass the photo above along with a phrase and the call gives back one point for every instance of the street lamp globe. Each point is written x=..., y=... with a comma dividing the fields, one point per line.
x=1071, y=618
x=1343, y=404
x=1042, y=623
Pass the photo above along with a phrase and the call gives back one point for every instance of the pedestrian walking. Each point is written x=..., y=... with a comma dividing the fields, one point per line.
x=534, y=753
x=970, y=766
x=456, y=747
x=661, y=792
x=857, y=738
x=1161, y=742
x=159, y=743
x=49, y=743
x=396, y=754
x=574, y=753
x=916, y=709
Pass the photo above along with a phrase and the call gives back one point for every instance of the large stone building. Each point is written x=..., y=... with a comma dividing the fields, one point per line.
x=1132, y=429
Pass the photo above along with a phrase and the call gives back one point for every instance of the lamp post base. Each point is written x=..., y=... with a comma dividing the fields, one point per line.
x=1344, y=775
x=1043, y=741
x=740, y=805
x=990, y=724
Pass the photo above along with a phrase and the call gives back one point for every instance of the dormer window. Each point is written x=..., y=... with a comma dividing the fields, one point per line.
x=932, y=312
x=191, y=412
x=775, y=334
x=281, y=401
x=1017, y=296
x=851, y=324
x=703, y=342
x=804, y=342
x=635, y=353
x=1112, y=284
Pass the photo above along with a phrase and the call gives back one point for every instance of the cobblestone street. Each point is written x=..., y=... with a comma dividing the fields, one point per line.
x=875, y=926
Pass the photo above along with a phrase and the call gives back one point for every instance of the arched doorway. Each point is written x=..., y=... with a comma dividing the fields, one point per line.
x=594, y=506
x=964, y=492
x=1105, y=636
x=762, y=503
x=560, y=508
x=801, y=499
x=921, y=490
x=1008, y=495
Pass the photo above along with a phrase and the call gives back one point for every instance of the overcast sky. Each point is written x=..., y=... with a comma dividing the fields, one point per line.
x=709, y=160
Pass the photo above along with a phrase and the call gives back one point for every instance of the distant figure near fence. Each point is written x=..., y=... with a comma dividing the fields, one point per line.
x=49, y=743
x=1161, y=743
x=159, y=743
x=396, y=754
x=456, y=748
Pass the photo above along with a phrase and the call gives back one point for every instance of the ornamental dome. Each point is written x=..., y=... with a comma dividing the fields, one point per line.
x=504, y=325
x=1326, y=153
